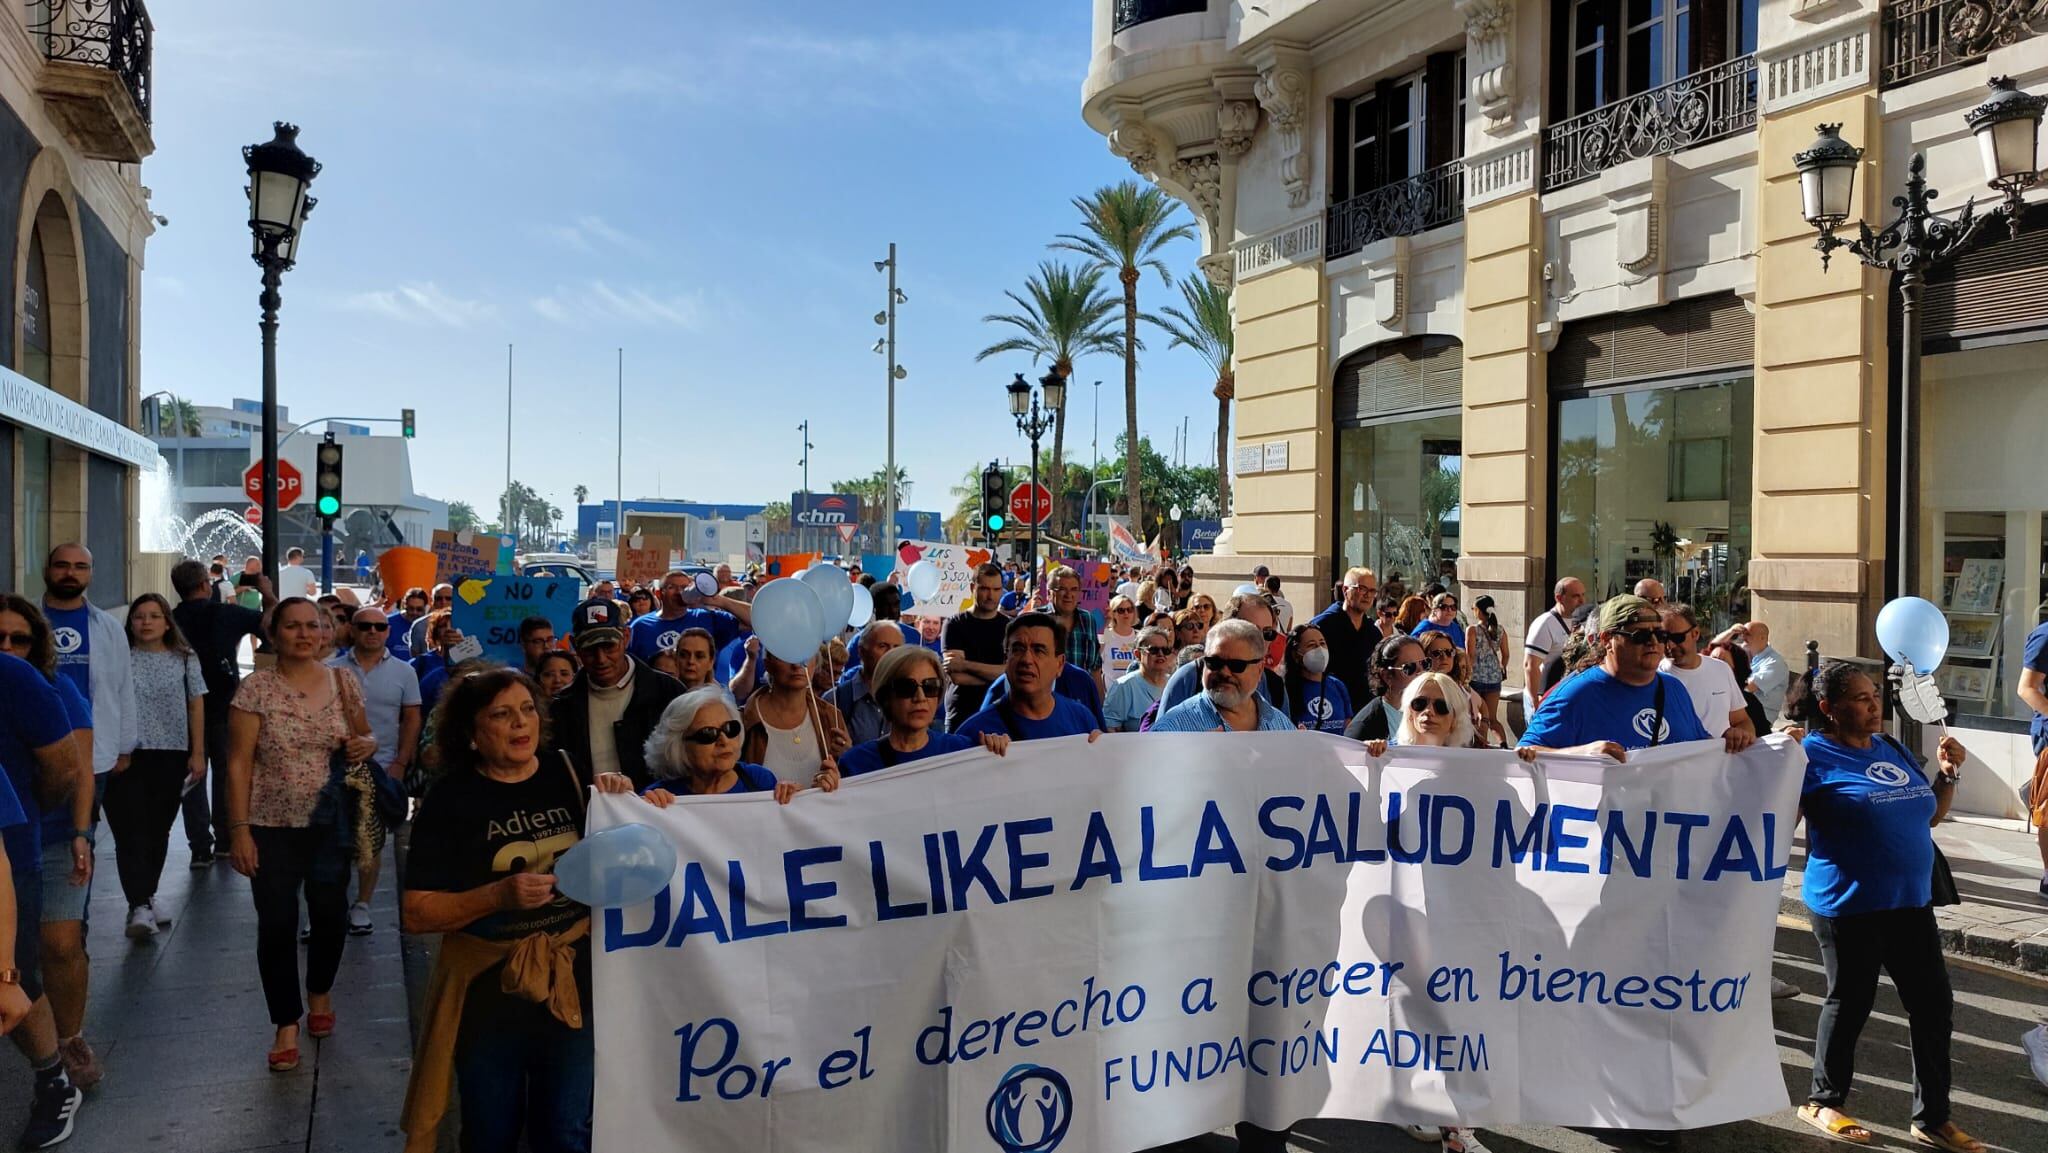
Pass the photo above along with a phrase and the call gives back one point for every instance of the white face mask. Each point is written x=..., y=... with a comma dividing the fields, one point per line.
x=1316, y=660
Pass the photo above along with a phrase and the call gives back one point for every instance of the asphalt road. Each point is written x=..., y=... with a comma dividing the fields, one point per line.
x=1996, y=1097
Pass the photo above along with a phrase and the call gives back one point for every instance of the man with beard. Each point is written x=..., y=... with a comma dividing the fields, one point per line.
x=1233, y=664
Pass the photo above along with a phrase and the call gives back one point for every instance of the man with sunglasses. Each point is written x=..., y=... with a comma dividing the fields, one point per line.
x=1351, y=632
x=412, y=609
x=391, y=699
x=602, y=719
x=1233, y=668
x=1256, y=610
x=1136, y=691
x=1716, y=695
x=1626, y=702
x=1028, y=709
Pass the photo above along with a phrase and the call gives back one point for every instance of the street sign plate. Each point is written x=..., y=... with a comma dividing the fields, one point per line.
x=289, y=483
x=1022, y=500
x=253, y=514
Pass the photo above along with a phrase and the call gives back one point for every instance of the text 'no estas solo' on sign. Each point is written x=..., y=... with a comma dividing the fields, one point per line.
x=1114, y=946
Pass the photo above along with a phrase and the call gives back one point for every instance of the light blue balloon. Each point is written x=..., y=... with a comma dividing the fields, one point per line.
x=863, y=606
x=615, y=868
x=835, y=596
x=1912, y=629
x=789, y=619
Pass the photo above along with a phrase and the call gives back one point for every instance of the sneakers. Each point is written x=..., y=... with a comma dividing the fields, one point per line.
x=359, y=920
x=1422, y=1132
x=81, y=1064
x=1462, y=1140
x=1783, y=990
x=52, y=1110
x=141, y=923
x=201, y=860
x=163, y=919
x=2035, y=1042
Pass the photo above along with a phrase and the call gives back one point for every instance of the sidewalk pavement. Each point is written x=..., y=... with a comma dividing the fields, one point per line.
x=180, y=1026
x=2003, y=918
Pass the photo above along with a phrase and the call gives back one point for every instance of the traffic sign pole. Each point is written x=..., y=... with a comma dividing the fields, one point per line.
x=327, y=558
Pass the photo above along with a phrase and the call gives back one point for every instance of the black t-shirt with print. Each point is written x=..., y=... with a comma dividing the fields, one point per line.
x=982, y=641
x=472, y=830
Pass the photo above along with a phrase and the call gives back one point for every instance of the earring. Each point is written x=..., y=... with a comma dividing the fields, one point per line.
x=472, y=746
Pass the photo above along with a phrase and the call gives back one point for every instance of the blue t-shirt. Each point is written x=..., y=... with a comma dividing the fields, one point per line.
x=2035, y=657
x=653, y=635
x=1454, y=630
x=874, y=756
x=1066, y=719
x=53, y=824
x=1075, y=684
x=1595, y=706
x=747, y=778
x=1868, y=813
x=71, y=632
x=35, y=718
x=1324, y=705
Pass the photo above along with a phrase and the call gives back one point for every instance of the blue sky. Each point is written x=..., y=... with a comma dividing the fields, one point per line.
x=706, y=185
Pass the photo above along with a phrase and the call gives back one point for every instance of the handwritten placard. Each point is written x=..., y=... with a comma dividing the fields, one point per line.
x=490, y=609
x=470, y=554
x=643, y=559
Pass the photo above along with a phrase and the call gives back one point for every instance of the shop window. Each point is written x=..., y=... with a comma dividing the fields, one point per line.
x=1653, y=481
x=1399, y=486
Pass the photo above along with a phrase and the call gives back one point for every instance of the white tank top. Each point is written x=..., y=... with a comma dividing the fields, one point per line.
x=793, y=755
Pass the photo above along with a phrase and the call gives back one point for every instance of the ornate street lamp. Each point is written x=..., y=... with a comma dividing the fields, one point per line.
x=2007, y=127
x=1036, y=416
x=279, y=175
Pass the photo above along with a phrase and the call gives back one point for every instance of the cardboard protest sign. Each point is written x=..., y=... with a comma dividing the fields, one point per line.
x=644, y=558
x=955, y=563
x=469, y=554
x=489, y=609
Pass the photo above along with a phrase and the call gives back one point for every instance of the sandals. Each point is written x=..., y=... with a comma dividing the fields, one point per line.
x=1843, y=1127
x=1949, y=1137
x=284, y=1060
x=319, y=1025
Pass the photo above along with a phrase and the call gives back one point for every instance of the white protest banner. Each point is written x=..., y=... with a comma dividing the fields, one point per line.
x=1125, y=548
x=955, y=563
x=1115, y=946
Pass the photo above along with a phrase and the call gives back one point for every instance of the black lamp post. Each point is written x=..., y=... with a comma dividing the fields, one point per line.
x=2007, y=127
x=278, y=176
x=1034, y=422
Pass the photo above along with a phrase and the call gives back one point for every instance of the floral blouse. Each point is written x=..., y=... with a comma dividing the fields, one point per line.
x=293, y=746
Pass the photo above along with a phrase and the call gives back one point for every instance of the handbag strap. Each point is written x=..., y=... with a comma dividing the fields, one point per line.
x=569, y=767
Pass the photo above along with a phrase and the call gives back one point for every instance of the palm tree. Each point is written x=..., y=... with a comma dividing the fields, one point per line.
x=1066, y=317
x=1205, y=327
x=581, y=492
x=461, y=515
x=177, y=418
x=1124, y=227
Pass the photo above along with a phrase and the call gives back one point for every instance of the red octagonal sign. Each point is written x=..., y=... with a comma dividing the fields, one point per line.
x=289, y=483
x=1024, y=496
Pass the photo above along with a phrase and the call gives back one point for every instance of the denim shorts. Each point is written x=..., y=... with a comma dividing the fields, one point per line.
x=61, y=900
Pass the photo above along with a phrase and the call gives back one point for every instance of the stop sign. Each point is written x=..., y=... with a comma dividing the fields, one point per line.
x=1024, y=496
x=289, y=483
x=253, y=514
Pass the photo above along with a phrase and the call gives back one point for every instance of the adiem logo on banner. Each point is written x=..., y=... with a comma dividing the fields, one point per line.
x=824, y=509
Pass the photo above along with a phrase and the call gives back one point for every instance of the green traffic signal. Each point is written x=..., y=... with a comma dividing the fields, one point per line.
x=330, y=506
x=996, y=522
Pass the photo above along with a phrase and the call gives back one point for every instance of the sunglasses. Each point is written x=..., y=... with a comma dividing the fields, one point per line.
x=1411, y=668
x=1437, y=705
x=1157, y=651
x=1269, y=634
x=730, y=730
x=1651, y=636
x=1236, y=666
x=909, y=690
x=1445, y=605
x=1441, y=653
x=17, y=640
x=373, y=627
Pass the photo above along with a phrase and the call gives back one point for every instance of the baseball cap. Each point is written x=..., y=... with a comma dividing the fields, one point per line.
x=1617, y=613
x=597, y=621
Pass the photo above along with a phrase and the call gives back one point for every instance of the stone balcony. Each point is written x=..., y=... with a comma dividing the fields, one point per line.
x=96, y=75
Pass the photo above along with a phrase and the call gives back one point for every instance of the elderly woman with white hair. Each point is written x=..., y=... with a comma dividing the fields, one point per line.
x=694, y=750
x=908, y=683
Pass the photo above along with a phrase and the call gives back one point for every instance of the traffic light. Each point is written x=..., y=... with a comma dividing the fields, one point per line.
x=327, y=479
x=405, y=422
x=995, y=500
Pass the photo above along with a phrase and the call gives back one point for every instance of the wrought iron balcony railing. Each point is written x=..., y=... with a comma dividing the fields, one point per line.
x=1923, y=37
x=110, y=34
x=1707, y=105
x=1426, y=200
x=1131, y=13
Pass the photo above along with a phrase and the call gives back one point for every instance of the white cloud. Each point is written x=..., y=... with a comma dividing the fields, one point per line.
x=598, y=302
x=586, y=233
x=420, y=302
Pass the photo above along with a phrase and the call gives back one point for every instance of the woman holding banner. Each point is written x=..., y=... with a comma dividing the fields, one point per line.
x=694, y=750
x=909, y=683
x=1870, y=864
x=504, y=1011
x=1395, y=663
